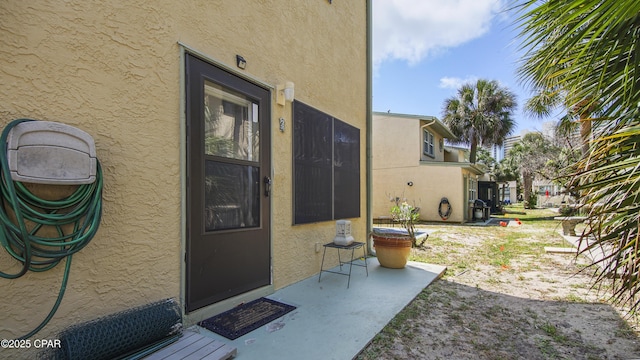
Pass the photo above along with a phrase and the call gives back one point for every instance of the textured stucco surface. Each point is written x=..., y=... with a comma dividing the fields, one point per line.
x=321, y=48
x=112, y=69
x=397, y=153
x=430, y=185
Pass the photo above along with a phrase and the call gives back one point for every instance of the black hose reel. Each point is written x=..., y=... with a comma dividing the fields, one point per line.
x=444, y=209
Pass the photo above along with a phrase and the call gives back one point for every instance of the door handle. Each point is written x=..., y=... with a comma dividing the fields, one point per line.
x=267, y=186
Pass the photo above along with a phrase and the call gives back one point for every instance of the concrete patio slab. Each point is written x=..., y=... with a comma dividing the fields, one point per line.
x=332, y=321
x=596, y=255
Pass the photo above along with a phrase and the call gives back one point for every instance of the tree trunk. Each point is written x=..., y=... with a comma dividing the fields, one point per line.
x=527, y=180
x=473, y=151
x=585, y=133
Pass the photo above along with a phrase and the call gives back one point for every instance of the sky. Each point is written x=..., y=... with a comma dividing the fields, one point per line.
x=423, y=50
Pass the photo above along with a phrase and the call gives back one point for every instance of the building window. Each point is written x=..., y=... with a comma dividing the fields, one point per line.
x=326, y=162
x=473, y=189
x=428, y=143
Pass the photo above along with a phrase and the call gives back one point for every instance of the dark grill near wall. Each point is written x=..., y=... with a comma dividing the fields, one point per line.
x=488, y=192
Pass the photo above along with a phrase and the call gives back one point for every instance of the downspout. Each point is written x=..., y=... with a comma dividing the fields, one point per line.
x=427, y=124
x=369, y=126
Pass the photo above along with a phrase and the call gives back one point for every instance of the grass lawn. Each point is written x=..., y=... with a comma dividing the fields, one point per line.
x=504, y=297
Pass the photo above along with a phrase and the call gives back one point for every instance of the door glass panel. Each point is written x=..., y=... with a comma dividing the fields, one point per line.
x=231, y=124
x=232, y=196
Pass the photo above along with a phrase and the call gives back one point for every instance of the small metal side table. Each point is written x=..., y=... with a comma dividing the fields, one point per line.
x=353, y=246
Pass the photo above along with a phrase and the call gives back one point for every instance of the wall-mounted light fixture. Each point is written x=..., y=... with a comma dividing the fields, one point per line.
x=241, y=62
x=284, y=93
x=410, y=183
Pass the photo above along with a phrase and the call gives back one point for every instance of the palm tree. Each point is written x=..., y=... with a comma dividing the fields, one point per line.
x=589, y=49
x=530, y=155
x=480, y=115
x=580, y=114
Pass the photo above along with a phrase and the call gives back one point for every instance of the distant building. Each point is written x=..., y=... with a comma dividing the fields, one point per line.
x=508, y=144
x=496, y=152
x=549, y=129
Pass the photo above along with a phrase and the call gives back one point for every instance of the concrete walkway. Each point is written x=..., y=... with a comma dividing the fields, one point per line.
x=596, y=255
x=331, y=321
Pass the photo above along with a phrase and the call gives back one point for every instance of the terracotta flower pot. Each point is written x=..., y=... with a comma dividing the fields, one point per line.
x=392, y=250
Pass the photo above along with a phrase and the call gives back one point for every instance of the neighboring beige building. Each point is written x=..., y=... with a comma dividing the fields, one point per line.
x=412, y=163
x=186, y=104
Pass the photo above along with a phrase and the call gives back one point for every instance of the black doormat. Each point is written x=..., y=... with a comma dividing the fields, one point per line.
x=245, y=318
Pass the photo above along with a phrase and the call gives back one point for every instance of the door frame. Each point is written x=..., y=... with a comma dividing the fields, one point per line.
x=224, y=305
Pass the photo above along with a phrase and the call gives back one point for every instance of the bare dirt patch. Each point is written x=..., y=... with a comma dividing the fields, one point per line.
x=504, y=297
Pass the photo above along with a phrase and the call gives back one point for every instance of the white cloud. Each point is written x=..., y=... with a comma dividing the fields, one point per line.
x=455, y=83
x=411, y=30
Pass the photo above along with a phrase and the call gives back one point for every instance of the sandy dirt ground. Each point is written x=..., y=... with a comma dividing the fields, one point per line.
x=505, y=297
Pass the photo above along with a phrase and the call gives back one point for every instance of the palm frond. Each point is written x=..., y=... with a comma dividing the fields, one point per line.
x=589, y=50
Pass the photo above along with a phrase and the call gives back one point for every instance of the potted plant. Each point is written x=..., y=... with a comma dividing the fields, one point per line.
x=394, y=247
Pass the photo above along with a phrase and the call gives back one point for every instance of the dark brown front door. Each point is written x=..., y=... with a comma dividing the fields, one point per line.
x=228, y=169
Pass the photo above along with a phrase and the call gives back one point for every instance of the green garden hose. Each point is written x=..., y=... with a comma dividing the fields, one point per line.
x=23, y=216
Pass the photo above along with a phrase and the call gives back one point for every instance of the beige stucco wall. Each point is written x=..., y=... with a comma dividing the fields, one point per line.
x=430, y=184
x=398, y=160
x=400, y=141
x=402, y=138
x=112, y=69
